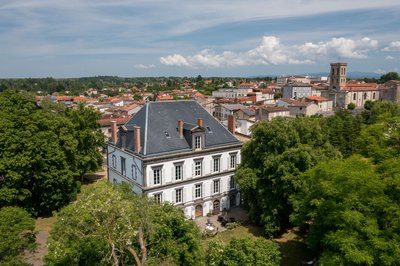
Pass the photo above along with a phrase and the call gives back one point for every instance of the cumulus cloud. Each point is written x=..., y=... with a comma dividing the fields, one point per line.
x=144, y=66
x=272, y=52
x=389, y=57
x=393, y=46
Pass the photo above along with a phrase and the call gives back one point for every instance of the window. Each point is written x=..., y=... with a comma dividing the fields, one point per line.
x=197, y=191
x=114, y=161
x=216, y=164
x=354, y=96
x=157, y=176
x=232, y=182
x=197, y=142
x=197, y=168
x=178, y=171
x=232, y=161
x=123, y=166
x=134, y=172
x=158, y=198
x=179, y=195
x=365, y=96
x=373, y=95
x=216, y=185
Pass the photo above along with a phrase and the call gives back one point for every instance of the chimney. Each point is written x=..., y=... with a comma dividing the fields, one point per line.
x=114, y=132
x=136, y=139
x=180, y=128
x=232, y=124
x=200, y=122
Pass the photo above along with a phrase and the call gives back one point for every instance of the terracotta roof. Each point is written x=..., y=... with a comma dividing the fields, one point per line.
x=317, y=98
x=119, y=120
x=300, y=104
x=360, y=87
x=272, y=109
x=164, y=97
x=64, y=98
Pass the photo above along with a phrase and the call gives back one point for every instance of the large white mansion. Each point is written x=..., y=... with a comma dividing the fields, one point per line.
x=177, y=152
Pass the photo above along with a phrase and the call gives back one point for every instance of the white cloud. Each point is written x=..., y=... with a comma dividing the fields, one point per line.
x=342, y=47
x=174, y=60
x=393, y=46
x=389, y=57
x=272, y=52
x=144, y=66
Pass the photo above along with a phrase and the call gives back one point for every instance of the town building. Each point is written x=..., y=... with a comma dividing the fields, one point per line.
x=390, y=91
x=270, y=112
x=177, y=152
x=222, y=111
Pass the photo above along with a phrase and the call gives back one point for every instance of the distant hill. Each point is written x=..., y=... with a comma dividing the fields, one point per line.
x=350, y=75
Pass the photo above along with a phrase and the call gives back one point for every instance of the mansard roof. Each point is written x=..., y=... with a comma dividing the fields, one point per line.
x=158, y=122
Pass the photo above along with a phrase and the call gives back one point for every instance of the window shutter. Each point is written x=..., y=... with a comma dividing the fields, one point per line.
x=173, y=196
x=192, y=169
x=228, y=166
x=183, y=171
x=162, y=179
x=212, y=187
x=172, y=174
x=202, y=190
x=183, y=195
x=211, y=166
x=193, y=192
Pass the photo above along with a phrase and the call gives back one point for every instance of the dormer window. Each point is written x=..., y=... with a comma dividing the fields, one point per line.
x=197, y=142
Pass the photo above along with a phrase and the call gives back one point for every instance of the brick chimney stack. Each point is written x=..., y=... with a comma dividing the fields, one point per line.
x=200, y=122
x=180, y=128
x=232, y=124
x=114, y=132
x=136, y=139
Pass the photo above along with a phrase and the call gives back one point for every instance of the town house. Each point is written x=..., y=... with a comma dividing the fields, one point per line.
x=179, y=153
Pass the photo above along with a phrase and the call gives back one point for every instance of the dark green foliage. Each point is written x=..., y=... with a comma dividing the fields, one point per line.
x=244, y=251
x=271, y=164
x=389, y=76
x=41, y=151
x=343, y=129
x=351, y=106
x=380, y=110
x=16, y=235
x=103, y=224
x=351, y=219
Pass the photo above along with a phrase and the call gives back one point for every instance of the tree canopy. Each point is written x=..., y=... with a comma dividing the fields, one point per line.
x=16, y=235
x=42, y=151
x=112, y=226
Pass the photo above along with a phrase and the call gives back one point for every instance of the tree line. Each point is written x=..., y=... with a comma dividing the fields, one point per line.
x=337, y=178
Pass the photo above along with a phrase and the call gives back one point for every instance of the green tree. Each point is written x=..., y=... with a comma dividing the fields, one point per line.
x=16, y=235
x=244, y=251
x=350, y=217
x=351, y=106
x=112, y=226
x=271, y=165
x=389, y=76
x=380, y=110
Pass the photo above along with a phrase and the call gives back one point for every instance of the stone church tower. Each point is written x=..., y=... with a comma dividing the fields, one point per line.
x=337, y=79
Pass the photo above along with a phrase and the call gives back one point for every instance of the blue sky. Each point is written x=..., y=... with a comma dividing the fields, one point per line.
x=75, y=38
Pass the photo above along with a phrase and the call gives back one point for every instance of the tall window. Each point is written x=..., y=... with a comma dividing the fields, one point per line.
x=158, y=198
x=179, y=195
x=354, y=96
x=197, y=191
x=157, y=176
x=197, y=142
x=178, y=171
x=232, y=182
x=232, y=161
x=216, y=185
x=134, y=172
x=216, y=164
x=197, y=168
x=114, y=161
x=123, y=166
x=373, y=95
x=365, y=96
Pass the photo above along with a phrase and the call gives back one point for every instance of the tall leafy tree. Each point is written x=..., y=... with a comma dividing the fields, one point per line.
x=16, y=235
x=244, y=251
x=111, y=226
x=271, y=165
x=351, y=218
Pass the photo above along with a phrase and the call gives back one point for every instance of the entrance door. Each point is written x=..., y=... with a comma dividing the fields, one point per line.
x=232, y=201
x=216, y=207
x=199, y=211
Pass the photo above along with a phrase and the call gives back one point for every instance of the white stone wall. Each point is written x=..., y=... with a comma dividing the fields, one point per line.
x=360, y=97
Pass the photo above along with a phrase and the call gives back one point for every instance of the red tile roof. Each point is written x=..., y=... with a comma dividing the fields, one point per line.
x=360, y=87
x=317, y=98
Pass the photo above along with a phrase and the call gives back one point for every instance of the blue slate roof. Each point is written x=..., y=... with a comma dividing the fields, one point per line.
x=159, y=134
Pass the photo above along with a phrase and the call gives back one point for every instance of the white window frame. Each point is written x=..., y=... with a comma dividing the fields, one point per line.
x=178, y=172
x=158, y=198
x=198, y=188
x=114, y=161
x=233, y=161
x=157, y=175
x=232, y=182
x=216, y=184
x=197, y=142
x=179, y=195
x=198, y=168
x=216, y=162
